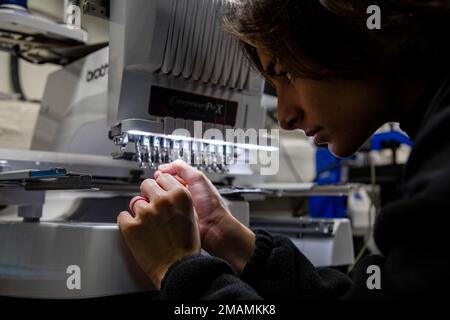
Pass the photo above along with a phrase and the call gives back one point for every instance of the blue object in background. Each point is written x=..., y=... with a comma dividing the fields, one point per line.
x=378, y=138
x=20, y=3
x=328, y=171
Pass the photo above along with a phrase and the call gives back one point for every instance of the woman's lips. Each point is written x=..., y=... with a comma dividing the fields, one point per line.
x=312, y=132
x=317, y=133
x=319, y=138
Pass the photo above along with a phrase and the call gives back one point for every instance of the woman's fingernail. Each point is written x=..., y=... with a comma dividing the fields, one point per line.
x=163, y=166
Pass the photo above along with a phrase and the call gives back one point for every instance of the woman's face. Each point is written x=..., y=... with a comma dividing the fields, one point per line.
x=340, y=113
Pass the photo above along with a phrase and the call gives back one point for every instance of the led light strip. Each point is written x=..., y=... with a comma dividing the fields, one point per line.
x=208, y=141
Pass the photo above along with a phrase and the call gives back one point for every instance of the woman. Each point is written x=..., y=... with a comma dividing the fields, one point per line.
x=337, y=80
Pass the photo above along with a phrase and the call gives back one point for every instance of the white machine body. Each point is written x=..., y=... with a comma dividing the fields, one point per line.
x=187, y=73
x=336, y=250
x=66, y=260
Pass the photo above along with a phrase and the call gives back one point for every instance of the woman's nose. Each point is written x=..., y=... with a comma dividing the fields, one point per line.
x=289, y=119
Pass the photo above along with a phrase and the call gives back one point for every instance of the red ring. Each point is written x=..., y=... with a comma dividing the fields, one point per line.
x=134, y=200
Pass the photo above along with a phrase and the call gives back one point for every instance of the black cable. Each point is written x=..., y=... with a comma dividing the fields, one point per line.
x=14, y=70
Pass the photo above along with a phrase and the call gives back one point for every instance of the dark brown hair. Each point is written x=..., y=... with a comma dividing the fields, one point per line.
x=325, y=39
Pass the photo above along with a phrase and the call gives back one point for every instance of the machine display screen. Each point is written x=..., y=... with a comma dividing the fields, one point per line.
x=180, y=104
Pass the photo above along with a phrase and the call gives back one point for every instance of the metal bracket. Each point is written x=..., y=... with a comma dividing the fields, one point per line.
x=30, y=203
x=99, y=9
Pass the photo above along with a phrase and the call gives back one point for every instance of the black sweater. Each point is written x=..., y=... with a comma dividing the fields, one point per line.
x=411, y=234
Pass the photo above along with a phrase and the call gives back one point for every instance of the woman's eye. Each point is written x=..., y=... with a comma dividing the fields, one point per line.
x=289, y=77
x=284, y=74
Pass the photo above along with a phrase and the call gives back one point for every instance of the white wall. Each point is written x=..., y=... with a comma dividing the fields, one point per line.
x=5, y=85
